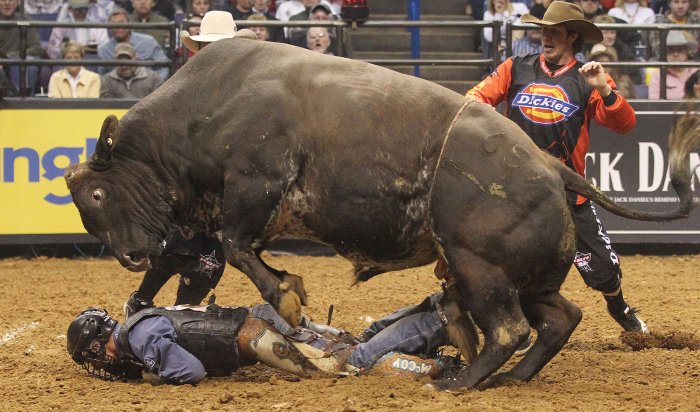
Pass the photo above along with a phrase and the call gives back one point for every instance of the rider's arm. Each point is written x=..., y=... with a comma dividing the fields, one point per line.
x=153, y=341
x=494, y=88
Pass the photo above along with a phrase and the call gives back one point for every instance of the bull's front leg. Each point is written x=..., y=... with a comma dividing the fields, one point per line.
x=250, y=201
x=278, y=293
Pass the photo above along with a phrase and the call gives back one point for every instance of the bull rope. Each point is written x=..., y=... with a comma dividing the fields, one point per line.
x=444, y=144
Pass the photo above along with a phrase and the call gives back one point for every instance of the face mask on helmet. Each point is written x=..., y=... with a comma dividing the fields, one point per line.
x=87, y=338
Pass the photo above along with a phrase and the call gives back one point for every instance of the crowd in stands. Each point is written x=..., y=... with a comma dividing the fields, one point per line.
x=148, y=44
x=156, y=44
x=624, y=45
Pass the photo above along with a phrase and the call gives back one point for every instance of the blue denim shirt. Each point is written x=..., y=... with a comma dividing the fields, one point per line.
x=152, y=340
x=145, y=46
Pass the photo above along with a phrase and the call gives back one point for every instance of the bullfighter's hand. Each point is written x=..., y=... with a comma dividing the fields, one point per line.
x=296, y=284
x=289, y=305
x=594, y=74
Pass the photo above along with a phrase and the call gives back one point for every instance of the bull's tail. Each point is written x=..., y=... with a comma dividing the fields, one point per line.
x=684, y=139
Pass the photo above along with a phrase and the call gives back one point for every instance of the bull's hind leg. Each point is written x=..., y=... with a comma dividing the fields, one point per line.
x=555, y=319
x=494, y=306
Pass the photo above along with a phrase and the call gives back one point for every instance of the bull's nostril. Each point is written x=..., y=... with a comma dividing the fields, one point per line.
x=134, y=257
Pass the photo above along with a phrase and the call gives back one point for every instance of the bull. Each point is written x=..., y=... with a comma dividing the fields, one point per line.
x=251, y=140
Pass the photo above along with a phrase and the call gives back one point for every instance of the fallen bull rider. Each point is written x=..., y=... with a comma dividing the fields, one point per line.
x=184, y=344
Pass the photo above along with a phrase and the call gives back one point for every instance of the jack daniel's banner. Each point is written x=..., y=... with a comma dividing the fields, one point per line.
x=633, y=170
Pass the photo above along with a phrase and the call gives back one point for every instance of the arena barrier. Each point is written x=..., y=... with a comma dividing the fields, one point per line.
x=41, y=137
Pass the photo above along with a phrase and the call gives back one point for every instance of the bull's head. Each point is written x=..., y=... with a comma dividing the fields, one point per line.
x=120, y=200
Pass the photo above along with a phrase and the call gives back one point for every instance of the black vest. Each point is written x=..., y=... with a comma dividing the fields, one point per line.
x=551, y=110
x=210, y=336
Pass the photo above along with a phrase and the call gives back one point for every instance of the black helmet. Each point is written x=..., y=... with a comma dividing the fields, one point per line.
x=87, y=336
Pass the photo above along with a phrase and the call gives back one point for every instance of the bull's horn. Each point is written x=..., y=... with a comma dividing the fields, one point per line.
x=109, y=136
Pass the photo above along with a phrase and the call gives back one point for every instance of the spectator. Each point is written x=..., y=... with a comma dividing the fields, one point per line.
x=128, y=82
x=165, y=8
x=593, y=8
x=240, y=9
x=261, y=31
x=633, y=12
x=146, y=46
x=90, y=38
x=7, y=89
x=199, y=7
x=216, y=25
x=9, y=36
x=678, y=49
x=9, y=45
x=318, y=11
x=623, y=49
x=274, y=33
x=476, y=9
x=74, y=81
x=143, y=13
x=318, y=39
x=183, y=54
x=692, y=86
x=606, y=54
x=679, y=13
x=532, y=41
x=505, y=11
x=42, y=6
x=659, y=6
x=98, y=11
x=288, y=9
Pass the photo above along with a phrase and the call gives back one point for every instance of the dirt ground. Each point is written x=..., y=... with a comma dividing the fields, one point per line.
x=594, y=371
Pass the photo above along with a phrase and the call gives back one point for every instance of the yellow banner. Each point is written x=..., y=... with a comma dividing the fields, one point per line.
x=37, y=146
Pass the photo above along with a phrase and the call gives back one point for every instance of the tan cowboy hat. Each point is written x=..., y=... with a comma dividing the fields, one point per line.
x=216, y=25
x=569, y=15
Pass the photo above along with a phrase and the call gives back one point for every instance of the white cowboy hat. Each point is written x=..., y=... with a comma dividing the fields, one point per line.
x=216, y=25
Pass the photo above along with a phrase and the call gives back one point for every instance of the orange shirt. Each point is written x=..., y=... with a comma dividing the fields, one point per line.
x=553, y=108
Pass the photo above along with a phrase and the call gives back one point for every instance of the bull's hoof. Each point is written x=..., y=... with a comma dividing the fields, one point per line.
x=289, y=305
x=296, y=285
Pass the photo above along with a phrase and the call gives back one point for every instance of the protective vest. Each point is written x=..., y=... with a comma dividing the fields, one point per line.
x=208, y=333
x=550, y=107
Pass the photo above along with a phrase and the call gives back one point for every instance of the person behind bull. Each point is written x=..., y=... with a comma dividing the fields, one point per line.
x=184, y=344
x=128, y=82
x=216, y=25
x=553, y=98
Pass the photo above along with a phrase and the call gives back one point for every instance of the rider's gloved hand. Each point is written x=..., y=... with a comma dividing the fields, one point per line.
x=135, y=304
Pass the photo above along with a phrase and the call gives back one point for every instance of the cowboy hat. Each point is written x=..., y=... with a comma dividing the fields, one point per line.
x=602, y=50
x=569, y=15
x=681, y=38
x=216, y=25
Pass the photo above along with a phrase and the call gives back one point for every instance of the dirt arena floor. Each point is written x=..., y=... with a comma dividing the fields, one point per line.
x=595, y=371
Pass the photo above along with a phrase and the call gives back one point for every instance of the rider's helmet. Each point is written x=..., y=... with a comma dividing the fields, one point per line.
x=87, y=338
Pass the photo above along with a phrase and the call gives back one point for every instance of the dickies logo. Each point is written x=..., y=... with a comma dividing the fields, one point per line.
x=544, y=103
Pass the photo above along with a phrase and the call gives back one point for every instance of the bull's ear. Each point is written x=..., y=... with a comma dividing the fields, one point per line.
x=102, y=158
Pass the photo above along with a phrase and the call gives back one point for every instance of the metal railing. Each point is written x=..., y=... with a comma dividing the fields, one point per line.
x=662, y=63
x=342, y=43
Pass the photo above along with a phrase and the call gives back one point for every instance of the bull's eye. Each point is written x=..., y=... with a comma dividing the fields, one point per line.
x=97, y=194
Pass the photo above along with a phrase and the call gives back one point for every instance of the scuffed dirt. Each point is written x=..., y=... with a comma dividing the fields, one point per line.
x=674, y=340
x=596, y=370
